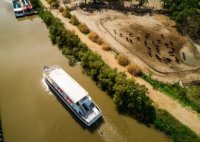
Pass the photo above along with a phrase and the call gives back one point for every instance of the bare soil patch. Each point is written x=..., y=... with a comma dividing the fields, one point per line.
x=152, y=40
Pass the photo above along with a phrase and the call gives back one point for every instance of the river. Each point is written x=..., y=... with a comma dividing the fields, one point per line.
x=30, y=112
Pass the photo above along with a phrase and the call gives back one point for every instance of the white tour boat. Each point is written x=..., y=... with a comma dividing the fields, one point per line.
x=72, y=94
x=17, y=8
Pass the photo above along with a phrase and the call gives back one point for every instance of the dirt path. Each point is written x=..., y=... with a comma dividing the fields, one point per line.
x=185, y=115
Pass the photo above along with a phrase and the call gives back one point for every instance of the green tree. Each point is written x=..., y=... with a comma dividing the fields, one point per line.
x=106, y=79
x=142, y=2
x=131, y=99
x=187, y=15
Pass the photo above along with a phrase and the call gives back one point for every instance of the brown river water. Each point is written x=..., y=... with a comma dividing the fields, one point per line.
x=30, y=112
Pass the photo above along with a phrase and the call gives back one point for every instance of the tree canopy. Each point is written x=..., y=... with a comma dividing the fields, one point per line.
x=187, y=15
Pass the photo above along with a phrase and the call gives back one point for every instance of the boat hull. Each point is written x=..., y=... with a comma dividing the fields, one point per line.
x=18, y=15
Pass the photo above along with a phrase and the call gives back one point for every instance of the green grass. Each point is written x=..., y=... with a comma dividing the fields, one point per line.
x=173, y=90
x=172, y=127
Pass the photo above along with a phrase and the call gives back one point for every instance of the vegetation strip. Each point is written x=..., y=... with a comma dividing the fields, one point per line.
x=175, y=91
x=129, y=96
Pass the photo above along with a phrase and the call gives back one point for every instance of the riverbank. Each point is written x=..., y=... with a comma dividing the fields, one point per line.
x=184, y=115
x=34, y=106
x=128, y=96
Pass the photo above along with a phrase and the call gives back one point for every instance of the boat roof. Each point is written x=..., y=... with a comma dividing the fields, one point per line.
x=68, y=84
x=18, y=9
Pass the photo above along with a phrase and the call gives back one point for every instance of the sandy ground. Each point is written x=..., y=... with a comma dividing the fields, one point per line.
x=185, y=115
x=164, y=59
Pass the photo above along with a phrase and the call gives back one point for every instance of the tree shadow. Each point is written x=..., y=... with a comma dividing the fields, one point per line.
x=91, y=128
x=133, y=9
x=25, y=18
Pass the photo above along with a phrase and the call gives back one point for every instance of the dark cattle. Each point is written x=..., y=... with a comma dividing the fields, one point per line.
x=127, y=39
x=147, y=36
x=130, y=34
x=158, y=57
x=162, y=36
x=131, y=41
x=171, y=43
x=167, y=45
x=115, y=32
x=170, y=52
x=168, y=60
x=177, y=60
x=145, y=43
x=158, y=50
x=157, y=46
x=159, y=41
x=149, y=48
x=150, y=54
x=138, y=38
x=121, y=35
x=173, y=49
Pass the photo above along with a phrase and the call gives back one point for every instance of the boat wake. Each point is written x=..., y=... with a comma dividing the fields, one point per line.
x=109, y=133
x=45, y=86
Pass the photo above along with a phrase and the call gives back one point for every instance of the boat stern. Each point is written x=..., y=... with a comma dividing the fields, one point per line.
x=94, y=116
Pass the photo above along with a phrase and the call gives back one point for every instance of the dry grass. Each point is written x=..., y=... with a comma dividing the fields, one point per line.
x=83, y=28
x=74, y=20
x=134, y=69
x=122, y=60
x=50, y=1
x=55, y=4
x=61, y=9
x=106, y=47
x=66, y=13
x=95, y=38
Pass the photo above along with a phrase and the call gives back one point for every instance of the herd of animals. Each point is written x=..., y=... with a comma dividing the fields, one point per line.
x=154, y=47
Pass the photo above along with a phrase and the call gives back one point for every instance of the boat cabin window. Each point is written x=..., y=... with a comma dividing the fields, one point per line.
x=85, y=107
x=19, y=12
x=83, y=99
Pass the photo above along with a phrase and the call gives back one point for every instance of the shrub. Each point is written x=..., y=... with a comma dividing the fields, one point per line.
x=50, y=1
x=122, y=60
x=61, y=9
x=74, y=20
x=83, y=28
x=72, y=60
x=134, y=69
x=66, y=13
x=95, y=38
x=55, y=4
x=106, y=47
x=99, y=41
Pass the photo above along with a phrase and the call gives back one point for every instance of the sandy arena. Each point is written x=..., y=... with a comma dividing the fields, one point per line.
x=152, y=42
